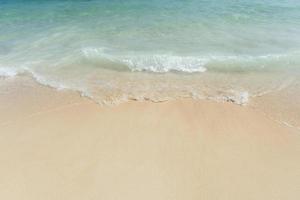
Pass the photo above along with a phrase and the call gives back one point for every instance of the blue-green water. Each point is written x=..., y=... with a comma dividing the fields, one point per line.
x=145, y=49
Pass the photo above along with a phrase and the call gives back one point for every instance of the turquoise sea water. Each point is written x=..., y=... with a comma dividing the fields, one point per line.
x=112, y=50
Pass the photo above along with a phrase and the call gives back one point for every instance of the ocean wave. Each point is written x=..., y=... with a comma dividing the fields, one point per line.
x=152, y=63
x=161, y=63
x=76, y=73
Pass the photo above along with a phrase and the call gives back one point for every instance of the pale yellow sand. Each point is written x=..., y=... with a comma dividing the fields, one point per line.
x=59, y=146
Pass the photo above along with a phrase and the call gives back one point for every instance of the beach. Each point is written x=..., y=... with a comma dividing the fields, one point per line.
x=59, y=145
x=158, y=100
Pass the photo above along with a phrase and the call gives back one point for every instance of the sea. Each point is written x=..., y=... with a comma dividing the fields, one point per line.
x=113, y=51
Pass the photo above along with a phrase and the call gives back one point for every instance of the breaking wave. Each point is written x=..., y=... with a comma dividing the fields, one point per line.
x=161, y=63
x=112, y=78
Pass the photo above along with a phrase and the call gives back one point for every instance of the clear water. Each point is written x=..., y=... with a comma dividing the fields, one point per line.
x=114, y=50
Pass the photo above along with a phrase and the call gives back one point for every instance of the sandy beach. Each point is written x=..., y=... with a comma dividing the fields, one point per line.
x=149, y=100
x=59, y=145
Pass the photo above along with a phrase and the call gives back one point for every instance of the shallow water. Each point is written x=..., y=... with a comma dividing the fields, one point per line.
x=113, y=50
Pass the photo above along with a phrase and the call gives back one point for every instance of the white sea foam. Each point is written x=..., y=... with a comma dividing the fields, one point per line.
x=165, y=63
x=240, y=98
x=50, y=83
x=11, y=72
x=153, y=63
x=8, y=71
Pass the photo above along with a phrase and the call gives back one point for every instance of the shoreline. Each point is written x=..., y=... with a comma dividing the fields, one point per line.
x=59, y=145
x=257, y=103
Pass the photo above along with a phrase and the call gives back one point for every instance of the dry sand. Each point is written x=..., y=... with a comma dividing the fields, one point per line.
x=57, y=145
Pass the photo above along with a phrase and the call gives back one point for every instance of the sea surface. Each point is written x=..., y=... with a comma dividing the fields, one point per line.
x=116, y=50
